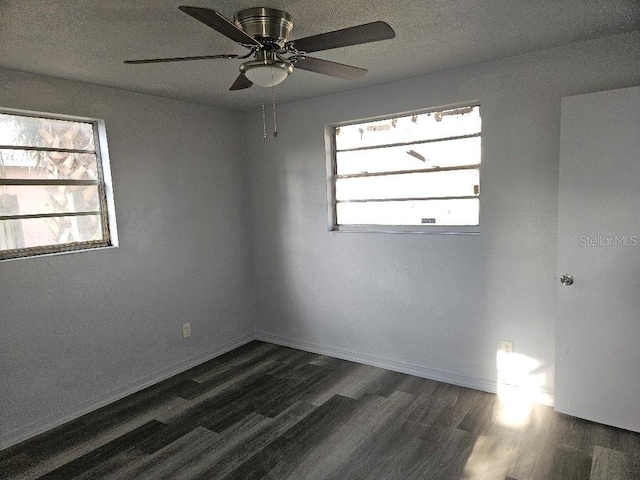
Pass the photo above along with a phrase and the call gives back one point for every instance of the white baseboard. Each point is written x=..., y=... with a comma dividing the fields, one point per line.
x=42, y=426
x=482, y=384
x=17, y=436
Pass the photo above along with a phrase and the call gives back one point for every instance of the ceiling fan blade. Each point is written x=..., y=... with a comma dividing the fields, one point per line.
x=369, y=32
x=241, y=83
x=178, y=59
x=339, y=70
x=219, y=23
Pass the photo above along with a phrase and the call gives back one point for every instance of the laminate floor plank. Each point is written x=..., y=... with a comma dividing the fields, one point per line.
x=451, y=458
x=617, y=439
x=112, y=465
x=481, y=413
x=492, y=458
x=254, y=364
x=380, y=441
x=64, y=450
x=296, y=390
x=574, y=433
x=243, y=381
x=570, y=464
x=173, y=456
x=229, y=361
x=244, y=352
x=170, y=459
x=403, y=461
x=204, y=411
x=446, y=406
x=231, y=455
x=174, y=463
x=92, y=459
x=325, y=383
x=351, y=444
x=15, y=466
x=292, y=359
x=275, y=413
x=289, y=447
x=536, y=445
x=167, y=434
x=351, y=385
x=609, y=464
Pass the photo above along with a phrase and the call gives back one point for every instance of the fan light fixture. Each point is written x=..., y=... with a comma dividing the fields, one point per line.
x=266, y=73
x=266, y=33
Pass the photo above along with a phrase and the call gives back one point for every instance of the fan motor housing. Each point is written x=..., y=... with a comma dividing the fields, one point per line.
x=265, y=24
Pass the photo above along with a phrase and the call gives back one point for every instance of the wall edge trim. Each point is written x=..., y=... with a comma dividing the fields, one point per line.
x=476, y=383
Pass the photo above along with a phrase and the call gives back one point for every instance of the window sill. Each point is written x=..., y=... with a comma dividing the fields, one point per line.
x=63, y=252
x=431, y=230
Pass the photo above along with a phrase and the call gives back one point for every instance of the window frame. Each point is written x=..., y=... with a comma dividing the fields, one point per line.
x=103, y=183
x=332, y=175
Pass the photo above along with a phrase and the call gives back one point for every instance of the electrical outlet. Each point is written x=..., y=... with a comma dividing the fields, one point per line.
x=186, y=330
x=506, y=346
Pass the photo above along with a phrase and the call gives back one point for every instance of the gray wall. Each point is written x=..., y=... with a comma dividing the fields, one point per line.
x=433, y=305
x=81, y=329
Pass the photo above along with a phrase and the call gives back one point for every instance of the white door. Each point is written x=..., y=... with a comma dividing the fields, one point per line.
x=598, y=328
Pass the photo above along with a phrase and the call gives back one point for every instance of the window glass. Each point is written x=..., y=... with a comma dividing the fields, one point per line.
x=417, y=170
x=53, y=193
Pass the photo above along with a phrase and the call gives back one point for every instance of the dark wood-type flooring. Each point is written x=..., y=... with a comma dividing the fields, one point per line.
x=268, y=412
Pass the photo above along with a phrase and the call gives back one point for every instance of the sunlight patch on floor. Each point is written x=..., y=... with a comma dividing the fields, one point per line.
x=490, y=459
x=519, y=388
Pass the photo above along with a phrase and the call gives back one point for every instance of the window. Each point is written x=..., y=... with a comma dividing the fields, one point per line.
x=55, y=189
x=418, y=172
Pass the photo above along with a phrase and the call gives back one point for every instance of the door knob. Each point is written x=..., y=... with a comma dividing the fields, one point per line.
x=566, y=279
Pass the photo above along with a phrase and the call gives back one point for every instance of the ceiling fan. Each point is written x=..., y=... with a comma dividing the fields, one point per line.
x=265, y=32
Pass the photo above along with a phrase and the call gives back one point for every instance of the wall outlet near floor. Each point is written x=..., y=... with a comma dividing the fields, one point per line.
x=186, y=330
x=506, y=346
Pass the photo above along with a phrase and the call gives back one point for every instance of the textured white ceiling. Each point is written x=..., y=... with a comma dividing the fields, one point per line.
x=87, y=40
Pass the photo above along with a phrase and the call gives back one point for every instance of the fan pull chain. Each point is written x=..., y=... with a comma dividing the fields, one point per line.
x=275, y=120
x=264, y=118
